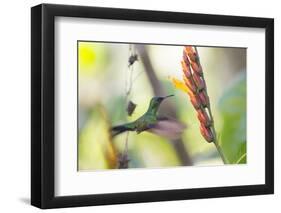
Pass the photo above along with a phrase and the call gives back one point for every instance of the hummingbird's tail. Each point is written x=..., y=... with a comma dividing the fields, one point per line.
x=116, y=130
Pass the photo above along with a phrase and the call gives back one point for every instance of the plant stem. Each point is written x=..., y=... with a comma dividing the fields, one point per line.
x=220, y=151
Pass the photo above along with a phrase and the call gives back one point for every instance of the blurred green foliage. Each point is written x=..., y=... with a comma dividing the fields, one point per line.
x=96, y=149
x=232, y=107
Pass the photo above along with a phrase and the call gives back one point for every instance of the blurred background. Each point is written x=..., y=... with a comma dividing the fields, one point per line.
x=105, y=78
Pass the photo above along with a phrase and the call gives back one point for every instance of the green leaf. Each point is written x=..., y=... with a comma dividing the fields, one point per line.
x=232, y=107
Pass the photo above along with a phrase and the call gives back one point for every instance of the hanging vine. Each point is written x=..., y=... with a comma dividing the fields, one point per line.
x=123, y=160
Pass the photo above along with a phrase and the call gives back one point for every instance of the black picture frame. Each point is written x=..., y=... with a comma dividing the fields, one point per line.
x=43, y=102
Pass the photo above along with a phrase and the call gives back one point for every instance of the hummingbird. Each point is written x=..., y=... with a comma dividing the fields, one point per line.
x=151, y=122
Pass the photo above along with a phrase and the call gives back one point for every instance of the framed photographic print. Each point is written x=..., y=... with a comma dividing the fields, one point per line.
x=140, y=106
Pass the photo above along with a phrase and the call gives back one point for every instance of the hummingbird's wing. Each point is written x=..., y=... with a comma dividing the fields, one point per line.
x=168, y=127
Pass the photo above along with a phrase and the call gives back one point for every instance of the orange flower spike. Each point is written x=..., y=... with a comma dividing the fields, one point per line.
x=196, y=67
x=186, y=69
x=190, y=84
x=195, y=101
x=185, y=58
x=191, y=53
x=204, y=98
x=193, y=56
x=203, y=117
x=188, y=49
x=198, y=81
x=207, y=133
x=193, y=59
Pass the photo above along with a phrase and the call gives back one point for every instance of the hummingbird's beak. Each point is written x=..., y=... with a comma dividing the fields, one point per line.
x=168, y=96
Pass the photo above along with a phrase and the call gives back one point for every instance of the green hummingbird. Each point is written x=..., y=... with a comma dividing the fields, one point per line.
x=151, y=122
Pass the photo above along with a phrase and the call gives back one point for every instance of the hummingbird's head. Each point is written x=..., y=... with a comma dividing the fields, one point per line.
x=156, y=101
